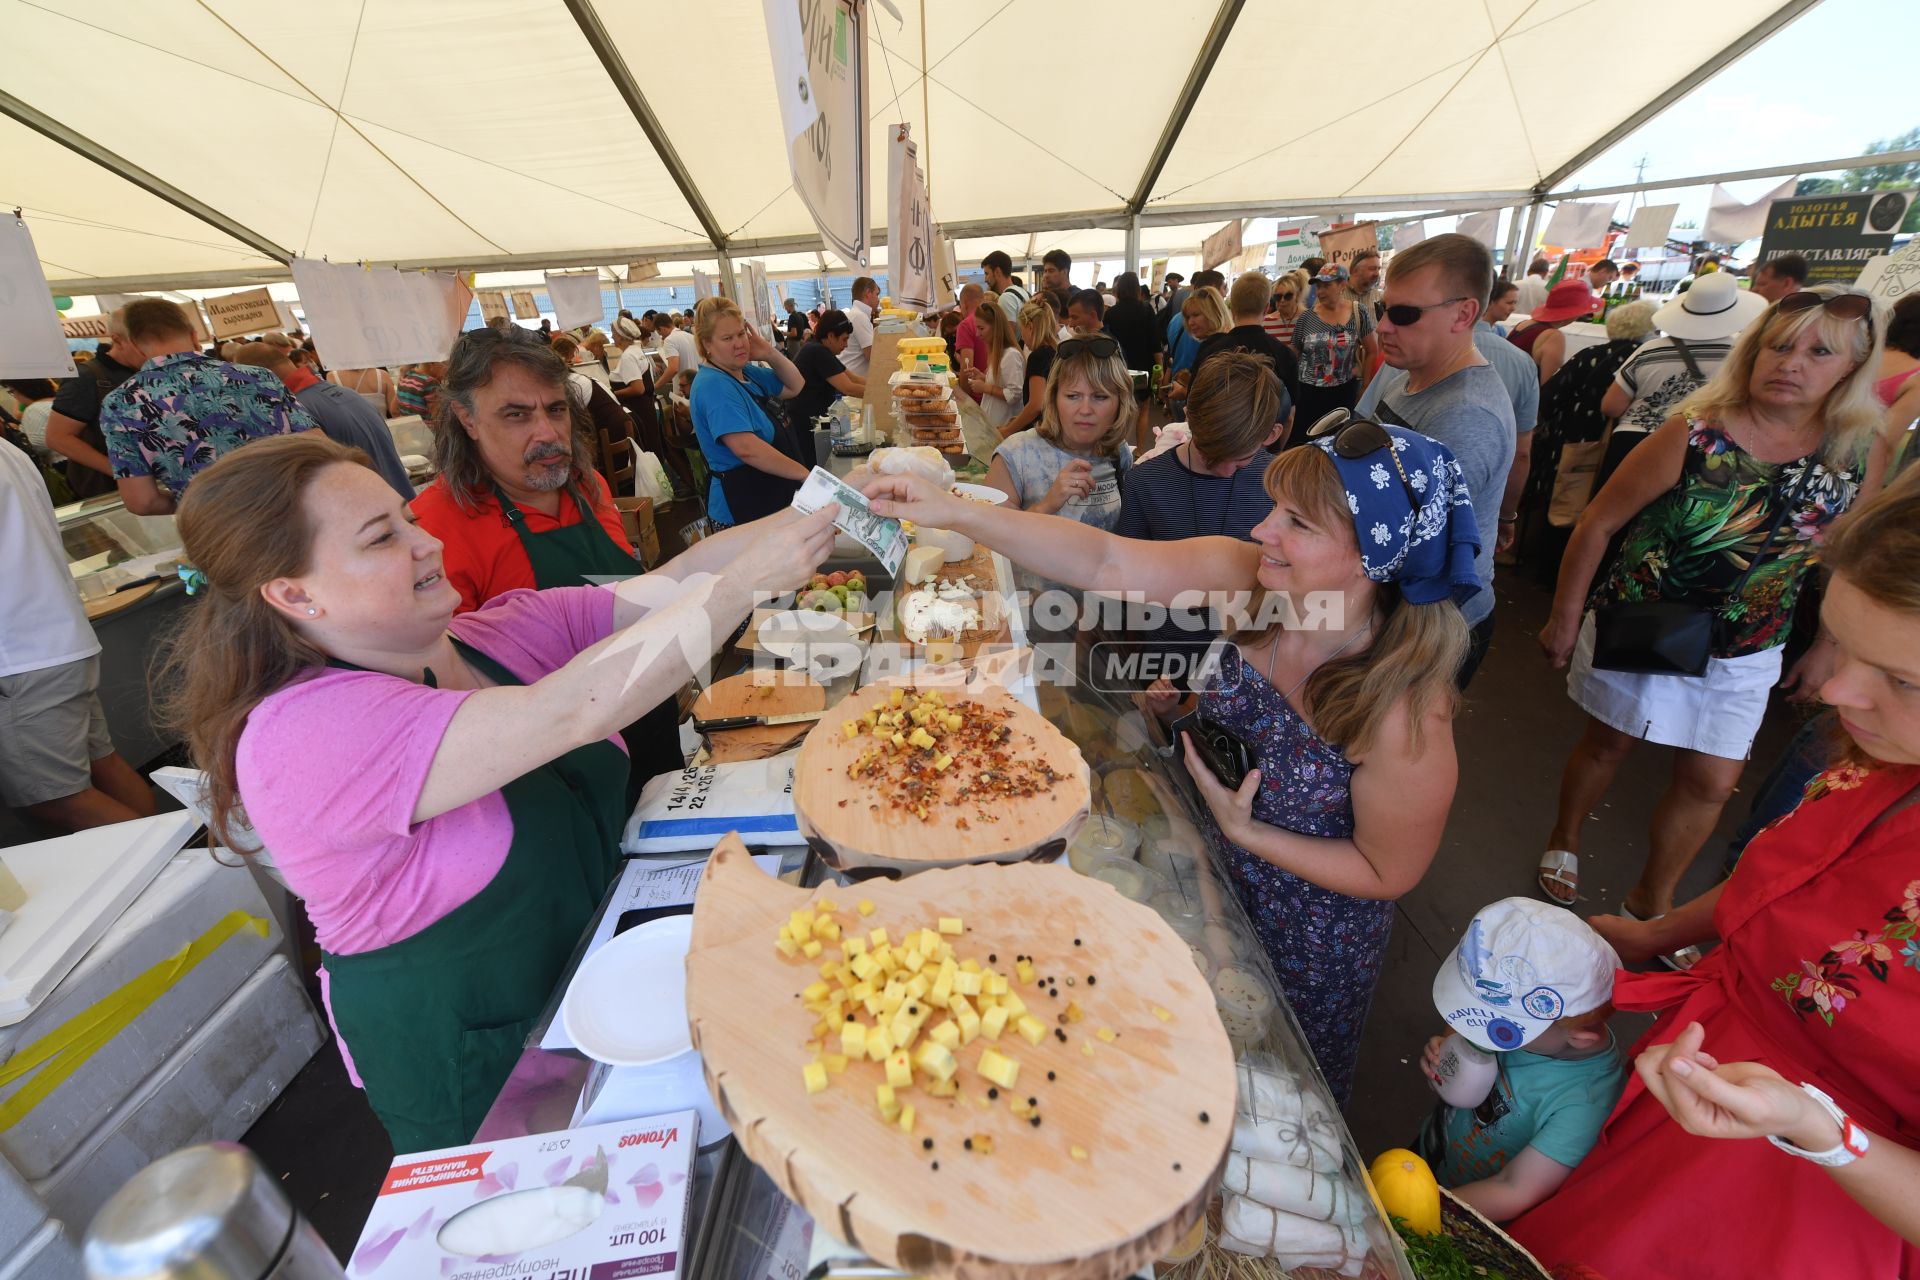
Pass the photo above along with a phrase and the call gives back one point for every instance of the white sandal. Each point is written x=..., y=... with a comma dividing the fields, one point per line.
x=1560, y=867
x=1680, y=960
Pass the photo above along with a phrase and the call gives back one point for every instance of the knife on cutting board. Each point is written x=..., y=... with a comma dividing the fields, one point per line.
x=754, y=722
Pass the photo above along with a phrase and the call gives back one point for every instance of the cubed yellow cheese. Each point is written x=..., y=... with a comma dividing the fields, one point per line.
x=896, y=696
x=836, y=1063
x=788, y=947
x=943, y=1088
x=827, y=929
x=1107, y=1034
x=950, y=925
x=993, y=1022
x=811, y=950
x=815, y=1075
x=1074, y=1012
x=919, y=985
x=946, y=1034
x=998, y=1067
x=996, y=984
x=1014, y=1005
x=814, y=992
x=851, y=728
x=941, y=992
x=899, y=1070
x=879, y=1043
x=865, y=907
x=1023, y=969
x=1031, y=1029
x=966, y=984
x=853, y=1039
x=1078, y=1153
x=904, y=1030
x=969, y=1024
x=1162, y=1014
x=864, y=966
x=913, y=960
x=878, y=938
x=935, y=1059
x=889, y=1104
x=826, y=904
x=906, y=1118
x=853, y=947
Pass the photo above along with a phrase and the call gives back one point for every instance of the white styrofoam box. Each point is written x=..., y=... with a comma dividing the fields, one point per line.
x=21, y=1211
x=49, y=1255
x=190, y=896
x=77, y=885
x=214, y=1087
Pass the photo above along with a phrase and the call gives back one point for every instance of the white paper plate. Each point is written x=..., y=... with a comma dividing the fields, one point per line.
x=821, y=642
x=627, y=1004
x=980, y=492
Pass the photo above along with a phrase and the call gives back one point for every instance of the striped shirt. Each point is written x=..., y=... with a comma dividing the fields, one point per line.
x=1658, y=379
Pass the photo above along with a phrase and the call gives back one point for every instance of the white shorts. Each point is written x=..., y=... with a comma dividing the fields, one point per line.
x=1716, y=713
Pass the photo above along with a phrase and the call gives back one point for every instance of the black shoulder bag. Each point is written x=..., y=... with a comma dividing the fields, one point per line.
x=1672, y=638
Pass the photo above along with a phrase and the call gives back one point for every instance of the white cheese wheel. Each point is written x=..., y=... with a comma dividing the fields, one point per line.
x=957, y=546
x=921, y=564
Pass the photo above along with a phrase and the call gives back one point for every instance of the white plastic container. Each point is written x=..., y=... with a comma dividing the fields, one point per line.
x=1135, y=882
x=1245, y=1004
x=1464, y=1073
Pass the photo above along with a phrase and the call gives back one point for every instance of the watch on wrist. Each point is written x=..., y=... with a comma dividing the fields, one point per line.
x=1853, y=1139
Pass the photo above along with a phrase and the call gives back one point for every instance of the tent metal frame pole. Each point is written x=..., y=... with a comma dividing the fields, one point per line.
x=601, y=43
x=1216, y=40
x=47, y=127
x=1511, y=267
x=1133, y=245
x=1767, y=27
x=1526, y=243
x=1741, y=175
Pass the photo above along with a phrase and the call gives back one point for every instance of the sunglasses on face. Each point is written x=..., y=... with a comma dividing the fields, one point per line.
x=1284, y=297
x=1405, y=313
x=1847, y=306
x=1100, y=348
x=1355, y=438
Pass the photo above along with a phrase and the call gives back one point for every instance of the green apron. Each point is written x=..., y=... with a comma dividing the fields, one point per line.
x=435, y=1022
x=565, y=558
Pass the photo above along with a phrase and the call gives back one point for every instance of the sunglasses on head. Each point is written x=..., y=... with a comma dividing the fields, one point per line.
x=1405, y=313
x=1847, y=306
x=1355, y=438
x=1099, y=347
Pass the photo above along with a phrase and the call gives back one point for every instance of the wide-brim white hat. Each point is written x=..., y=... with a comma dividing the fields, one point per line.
x=1714, y=307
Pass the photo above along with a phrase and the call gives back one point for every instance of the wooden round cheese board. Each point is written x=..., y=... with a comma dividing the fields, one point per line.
x=974, y=810
x=1101, y=1153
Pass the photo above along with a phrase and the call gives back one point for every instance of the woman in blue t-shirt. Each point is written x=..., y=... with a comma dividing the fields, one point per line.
x=749, y=446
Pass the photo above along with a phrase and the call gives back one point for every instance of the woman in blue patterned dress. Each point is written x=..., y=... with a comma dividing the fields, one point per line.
x=1342, y=686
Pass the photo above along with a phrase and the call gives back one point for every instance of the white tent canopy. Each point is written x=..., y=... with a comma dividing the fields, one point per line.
x=175, y=142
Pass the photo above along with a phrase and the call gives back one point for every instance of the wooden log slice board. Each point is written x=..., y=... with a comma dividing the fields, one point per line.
x=1030, y=1207
x=753, y=693
x=853, y=825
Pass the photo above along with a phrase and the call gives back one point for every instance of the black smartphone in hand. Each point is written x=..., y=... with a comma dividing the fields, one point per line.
x=1230, y=759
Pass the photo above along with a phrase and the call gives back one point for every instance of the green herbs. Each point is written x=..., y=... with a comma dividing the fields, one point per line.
x=1441, y=1257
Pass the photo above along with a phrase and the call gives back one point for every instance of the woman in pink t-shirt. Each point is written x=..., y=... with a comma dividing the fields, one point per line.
x=445, y=793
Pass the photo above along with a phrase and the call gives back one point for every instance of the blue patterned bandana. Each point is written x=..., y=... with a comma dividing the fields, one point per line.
x=1426, y=551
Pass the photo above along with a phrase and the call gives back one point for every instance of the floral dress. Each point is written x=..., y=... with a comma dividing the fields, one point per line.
x=1326, y=948
x=1817, y=977
x=1692, y=544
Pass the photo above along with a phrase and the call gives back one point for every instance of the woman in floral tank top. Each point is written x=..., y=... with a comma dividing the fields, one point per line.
x=1721, y=509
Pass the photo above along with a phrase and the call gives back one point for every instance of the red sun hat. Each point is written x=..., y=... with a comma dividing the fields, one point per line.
x=1568, y=300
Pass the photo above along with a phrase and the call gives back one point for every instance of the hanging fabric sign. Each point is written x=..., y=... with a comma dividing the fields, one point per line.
x=366, y=316
x=819, y=73
x=910, y=259
x=31, y=344
x=576, y=299
x=1220, y=246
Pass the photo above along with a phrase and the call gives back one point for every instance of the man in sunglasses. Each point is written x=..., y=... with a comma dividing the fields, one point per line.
x=1439, y=384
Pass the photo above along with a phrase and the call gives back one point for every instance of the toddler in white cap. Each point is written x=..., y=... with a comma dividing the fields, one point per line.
x=1531, y=985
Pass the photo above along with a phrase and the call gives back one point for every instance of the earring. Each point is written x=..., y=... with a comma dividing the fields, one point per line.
x=312, y=612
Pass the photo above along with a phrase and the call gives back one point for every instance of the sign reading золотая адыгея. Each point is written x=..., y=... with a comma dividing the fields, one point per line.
x=1836, y=234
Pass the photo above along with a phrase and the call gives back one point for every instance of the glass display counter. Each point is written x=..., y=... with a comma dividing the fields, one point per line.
x=1145, y=838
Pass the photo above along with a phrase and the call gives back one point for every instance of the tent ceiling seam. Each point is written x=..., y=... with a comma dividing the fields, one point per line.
x=595, y=33
x=1424, y=117
x=307, y=100
x=1203, y=63
x=94, y=224
x=333, y=134
x=153, y=185
x=1513, y=90
x=376, y=148
x=1038, y=146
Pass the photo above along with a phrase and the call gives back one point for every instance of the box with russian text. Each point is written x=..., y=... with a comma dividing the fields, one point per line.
x=608, y=1202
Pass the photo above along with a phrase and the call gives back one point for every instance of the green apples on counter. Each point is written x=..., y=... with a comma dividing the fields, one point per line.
x=837, y=592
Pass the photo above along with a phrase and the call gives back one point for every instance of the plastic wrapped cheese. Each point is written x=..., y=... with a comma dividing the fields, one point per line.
x=1290, y=1240
x=919, y=460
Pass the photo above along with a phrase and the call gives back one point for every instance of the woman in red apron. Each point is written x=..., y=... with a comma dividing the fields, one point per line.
x=444, y=793
x=1816, y=982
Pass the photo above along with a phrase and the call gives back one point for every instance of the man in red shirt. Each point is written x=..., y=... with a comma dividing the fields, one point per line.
x=968, y=337
x=517, y=502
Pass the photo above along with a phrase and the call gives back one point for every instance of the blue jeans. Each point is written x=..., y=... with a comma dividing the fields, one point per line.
x=1785, y=783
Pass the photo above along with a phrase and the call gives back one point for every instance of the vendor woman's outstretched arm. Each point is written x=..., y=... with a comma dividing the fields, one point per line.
x=1067, y=551
x=500, y=733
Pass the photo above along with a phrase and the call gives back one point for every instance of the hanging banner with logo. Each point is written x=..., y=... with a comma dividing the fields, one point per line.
x=947, y=273
x=1892, y=276
x=758, y=307
x=1159, y=272
x=1731, y=220
x=493, y=305
x=233, y=314
x=1837, y=234
x=1339, y=245
x=31, y=344
x=910, y=253
x=525, y=305
x=576, y=299
x=1293, y=246
x=1220, y=246
x=819, y=70
x=365, y=316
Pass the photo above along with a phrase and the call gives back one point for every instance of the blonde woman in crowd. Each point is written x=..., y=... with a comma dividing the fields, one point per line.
x=1002, y=385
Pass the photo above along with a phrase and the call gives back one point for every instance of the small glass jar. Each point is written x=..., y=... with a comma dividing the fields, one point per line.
x=1102, y=837
x=1245, y=1004
x=1134, y=882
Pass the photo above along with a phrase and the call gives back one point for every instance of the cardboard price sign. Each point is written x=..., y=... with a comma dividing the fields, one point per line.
x=234, y=314
x=1838, y=234
x=493, y=304
x=1339, y=246
x=524, y=305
